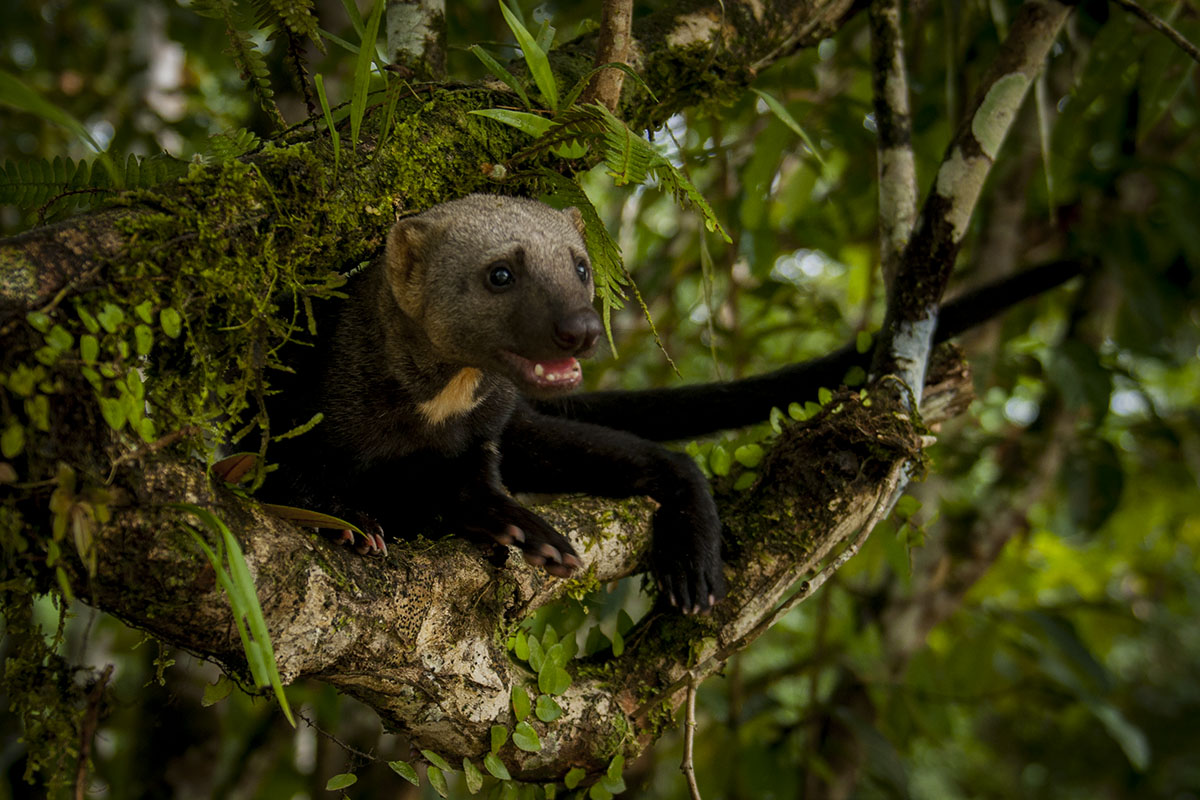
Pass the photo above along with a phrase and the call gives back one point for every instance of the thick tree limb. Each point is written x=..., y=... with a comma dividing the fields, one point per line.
x=418, y=635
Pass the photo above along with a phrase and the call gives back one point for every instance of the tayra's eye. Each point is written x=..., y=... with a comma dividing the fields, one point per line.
x=581, y=269
x=500, y=276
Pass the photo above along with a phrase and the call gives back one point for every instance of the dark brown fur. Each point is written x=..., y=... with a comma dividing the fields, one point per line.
x=474, y=305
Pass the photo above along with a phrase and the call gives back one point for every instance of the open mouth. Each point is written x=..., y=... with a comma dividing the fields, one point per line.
x=561, y=374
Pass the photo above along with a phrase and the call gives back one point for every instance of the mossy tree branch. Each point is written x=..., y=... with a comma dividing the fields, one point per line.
x=419, y=635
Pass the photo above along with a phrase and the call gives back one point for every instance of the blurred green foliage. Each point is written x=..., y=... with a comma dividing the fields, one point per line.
x=1040, y=639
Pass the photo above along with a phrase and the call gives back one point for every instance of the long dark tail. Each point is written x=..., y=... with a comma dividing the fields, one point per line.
x=685, y=412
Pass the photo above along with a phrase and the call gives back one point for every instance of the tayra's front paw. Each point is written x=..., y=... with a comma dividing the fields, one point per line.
x=509, y=523
x=367, y=543
x=686, y=557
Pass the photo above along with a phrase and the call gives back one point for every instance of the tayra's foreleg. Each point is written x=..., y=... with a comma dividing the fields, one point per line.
x=481, y=508
x=550, y=454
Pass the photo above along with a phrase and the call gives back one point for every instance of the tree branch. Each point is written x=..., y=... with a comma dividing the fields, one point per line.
x=929, y=258
x=416, y=36
x=612, y=46
x=896, y=165
x=1162, y=27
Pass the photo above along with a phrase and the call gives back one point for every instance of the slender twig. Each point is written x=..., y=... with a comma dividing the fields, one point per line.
x=157, y=444
x=689, y=732
x=612, y=46
x=896, y=166
x=367, y=758
x=1162, y=26
x=87, y=731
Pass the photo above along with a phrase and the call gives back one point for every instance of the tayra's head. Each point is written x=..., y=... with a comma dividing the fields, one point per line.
x=499, y=283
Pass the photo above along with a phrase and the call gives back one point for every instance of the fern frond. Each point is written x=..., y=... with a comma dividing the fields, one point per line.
x=295, y=16
x=246, y=55
x=33, y=184
x=254, y=70
x=229, y=145
x=629, y=157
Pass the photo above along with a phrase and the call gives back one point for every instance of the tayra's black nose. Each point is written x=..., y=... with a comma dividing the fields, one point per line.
x=577, y=332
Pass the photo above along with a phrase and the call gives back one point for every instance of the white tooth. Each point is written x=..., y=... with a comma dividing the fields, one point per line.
x=539, y=370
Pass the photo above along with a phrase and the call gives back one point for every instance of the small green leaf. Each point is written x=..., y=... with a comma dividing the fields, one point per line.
x=862, y=341
x=436, y=760
x=549, y=638
x=499, y=737
x=495, y=767
x=113, y=412
x=745, y=481
x=110, y=317
x=60, y=339
x=520, y=702
x=598, y=792
x=12, y=441
x=553, y=679
x=719, y=461
x=749, y=455
x=405, y=770
x=437, y=780
x=145, y=310
x=88, y=320
x=143, y=339
x=521, y=647
x=472, y=775
x=38, y=320
x=906, y=506
x=171, y=322
x=216, y=692
x=824, y=396
x=618, y=643
x=855, y=376
x=37, y=408
x=547, y=709
x=573, y=777
x=557, y=654
x=536, y=654
x=624, y=622
x=526, y=738
x=89, y=348
x=776, y=420
x=811, y=408
x=341, y=781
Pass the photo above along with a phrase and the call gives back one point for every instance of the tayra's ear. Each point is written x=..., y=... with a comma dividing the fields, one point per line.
x=405, y=264
x=576, y=218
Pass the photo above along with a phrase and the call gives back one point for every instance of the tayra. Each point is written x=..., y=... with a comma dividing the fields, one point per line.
x=475, y=306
